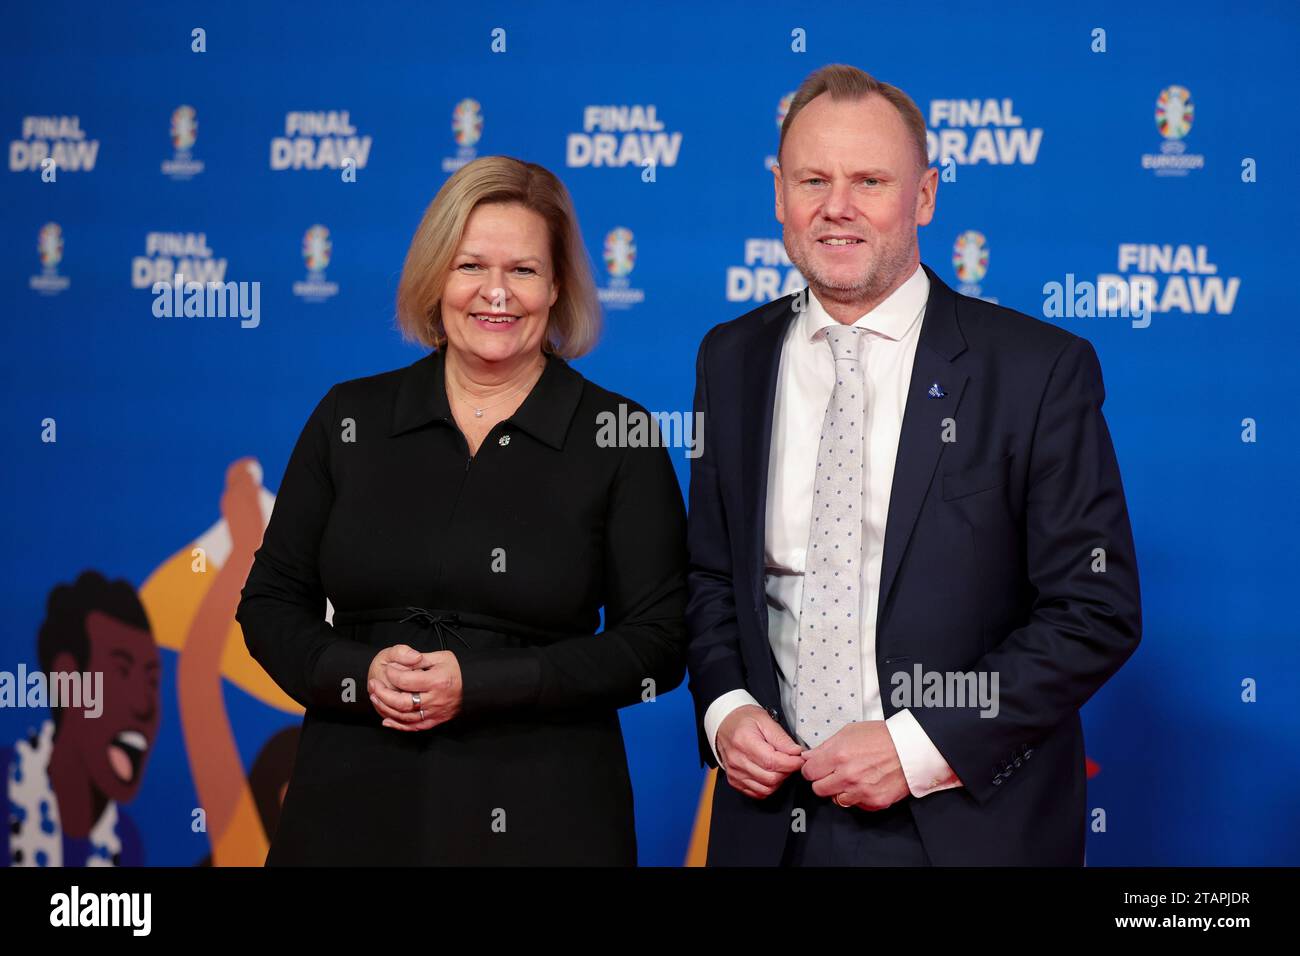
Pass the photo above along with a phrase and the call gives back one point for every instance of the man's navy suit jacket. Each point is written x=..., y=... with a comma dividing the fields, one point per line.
x=1006, y=501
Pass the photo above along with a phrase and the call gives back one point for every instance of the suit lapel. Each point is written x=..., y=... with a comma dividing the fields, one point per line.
x=920, y=444
x=758, y=392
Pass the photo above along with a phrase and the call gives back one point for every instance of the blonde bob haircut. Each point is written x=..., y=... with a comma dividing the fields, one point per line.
x=574, y=322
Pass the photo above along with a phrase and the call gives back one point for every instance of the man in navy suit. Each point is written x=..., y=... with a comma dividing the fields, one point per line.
x=910, y=554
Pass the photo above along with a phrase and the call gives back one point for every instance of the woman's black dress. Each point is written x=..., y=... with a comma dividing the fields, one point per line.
x=505, y=559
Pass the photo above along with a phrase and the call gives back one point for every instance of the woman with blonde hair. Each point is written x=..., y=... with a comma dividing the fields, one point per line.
x=468, y=528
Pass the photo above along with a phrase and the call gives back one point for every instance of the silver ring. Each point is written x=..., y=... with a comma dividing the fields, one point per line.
x=422, y=713
x=415, y=699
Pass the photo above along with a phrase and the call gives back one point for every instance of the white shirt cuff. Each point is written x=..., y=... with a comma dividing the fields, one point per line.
x=923, y=766
x=718, y=711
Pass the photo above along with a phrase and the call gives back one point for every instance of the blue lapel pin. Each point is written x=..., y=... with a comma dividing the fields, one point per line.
x=936, y=391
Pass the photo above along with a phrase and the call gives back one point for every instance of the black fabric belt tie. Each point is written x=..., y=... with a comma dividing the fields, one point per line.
x=447, y=626
x=443, y=624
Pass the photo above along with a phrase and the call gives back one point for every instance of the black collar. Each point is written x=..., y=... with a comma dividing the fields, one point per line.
x=545, y=413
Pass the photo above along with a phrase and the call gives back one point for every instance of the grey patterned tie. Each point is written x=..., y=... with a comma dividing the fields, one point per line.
x=828, y=675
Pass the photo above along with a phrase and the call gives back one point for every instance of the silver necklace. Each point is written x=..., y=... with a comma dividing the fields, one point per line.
x=479, y=410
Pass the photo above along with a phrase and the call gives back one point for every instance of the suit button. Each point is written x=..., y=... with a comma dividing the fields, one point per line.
x=1017, y=763
x=771, y=712
x=997, y=781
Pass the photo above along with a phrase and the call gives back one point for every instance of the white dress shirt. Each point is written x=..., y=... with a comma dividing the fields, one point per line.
x=803, y=389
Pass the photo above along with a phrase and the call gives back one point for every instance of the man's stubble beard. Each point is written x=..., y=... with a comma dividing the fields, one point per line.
x=882, y=273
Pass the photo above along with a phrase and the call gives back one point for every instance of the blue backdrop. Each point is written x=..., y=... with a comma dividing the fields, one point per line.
x=1154, y=151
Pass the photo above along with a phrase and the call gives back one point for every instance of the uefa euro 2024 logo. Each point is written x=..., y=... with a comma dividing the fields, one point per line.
x=185, y=127
x=620, y=252
x=970, y=259
x=1174, y=112
x=49, y=241
x=49, y=244
x=467, y=122
x=316, y=248
x=185, y=132
x=467, y=128
x=620, y=258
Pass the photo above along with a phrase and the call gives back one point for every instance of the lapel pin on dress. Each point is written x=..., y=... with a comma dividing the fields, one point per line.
x=936, y=391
